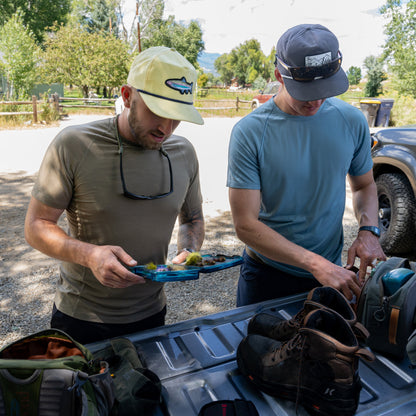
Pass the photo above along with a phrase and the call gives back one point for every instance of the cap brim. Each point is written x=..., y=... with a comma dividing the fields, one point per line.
x=318, y=89
x=172, y=110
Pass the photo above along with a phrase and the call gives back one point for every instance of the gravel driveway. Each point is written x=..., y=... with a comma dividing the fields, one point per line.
x=27, y=277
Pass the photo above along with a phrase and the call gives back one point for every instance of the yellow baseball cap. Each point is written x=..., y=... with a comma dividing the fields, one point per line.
x=166, y=82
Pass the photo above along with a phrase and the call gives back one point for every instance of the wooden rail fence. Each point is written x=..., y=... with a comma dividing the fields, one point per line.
x=237, y=106
x=92, y=102
x=34, y=111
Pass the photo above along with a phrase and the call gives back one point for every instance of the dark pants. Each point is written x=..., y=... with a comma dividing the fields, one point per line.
x=86, y=332
x=259, y=282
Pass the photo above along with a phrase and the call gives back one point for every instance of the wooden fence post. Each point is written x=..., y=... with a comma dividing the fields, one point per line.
x=236, y=104
x=55, y=97
x=35, y=109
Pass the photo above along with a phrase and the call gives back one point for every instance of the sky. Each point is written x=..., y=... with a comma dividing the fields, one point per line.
x=228, y=23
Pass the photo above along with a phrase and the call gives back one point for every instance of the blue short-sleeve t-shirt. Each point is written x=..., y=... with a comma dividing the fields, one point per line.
x=300, y=165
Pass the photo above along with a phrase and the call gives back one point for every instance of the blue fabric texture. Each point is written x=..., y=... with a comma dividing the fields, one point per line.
x=300, y=166
x=259, y=282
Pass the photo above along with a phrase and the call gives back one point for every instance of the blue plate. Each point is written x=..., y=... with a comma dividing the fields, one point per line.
x=164, y=272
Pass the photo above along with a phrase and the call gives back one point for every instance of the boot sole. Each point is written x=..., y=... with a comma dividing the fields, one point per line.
x=312, y=400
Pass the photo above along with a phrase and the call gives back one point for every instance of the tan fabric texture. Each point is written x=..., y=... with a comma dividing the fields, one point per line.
x=80, y=173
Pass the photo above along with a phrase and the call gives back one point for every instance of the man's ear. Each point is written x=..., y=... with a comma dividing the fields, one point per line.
x=126, y=93
x=278, y=75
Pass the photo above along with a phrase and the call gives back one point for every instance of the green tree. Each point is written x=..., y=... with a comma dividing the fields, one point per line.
x=202, y=80
x=74, y=56
x=354, y=75
x=375, y=76
x=96, y=15
x=20, y=56
x=187, y=40
x=399, y=49
x=259, y=83
x=224, y=68
x=246, y=62
x=37, y=15
x=270, y=64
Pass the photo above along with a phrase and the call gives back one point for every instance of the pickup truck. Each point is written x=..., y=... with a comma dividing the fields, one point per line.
x=196, y=363
x=394, y=157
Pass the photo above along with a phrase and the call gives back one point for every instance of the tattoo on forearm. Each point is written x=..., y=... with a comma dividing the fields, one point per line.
x=191, y=229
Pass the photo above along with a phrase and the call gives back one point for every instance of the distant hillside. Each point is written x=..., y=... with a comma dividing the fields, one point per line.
x=206, y=62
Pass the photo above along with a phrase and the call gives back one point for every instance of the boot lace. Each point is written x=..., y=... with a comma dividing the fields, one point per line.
x=296, y=345
x=286, y=327
x=288, y=348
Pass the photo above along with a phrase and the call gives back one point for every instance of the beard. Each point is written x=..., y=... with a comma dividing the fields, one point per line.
x=140, y=136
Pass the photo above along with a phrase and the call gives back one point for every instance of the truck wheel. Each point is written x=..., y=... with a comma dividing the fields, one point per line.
x=397, y=208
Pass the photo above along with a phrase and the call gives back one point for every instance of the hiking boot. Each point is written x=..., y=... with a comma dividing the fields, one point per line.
x=324, y=297
x=317, y=368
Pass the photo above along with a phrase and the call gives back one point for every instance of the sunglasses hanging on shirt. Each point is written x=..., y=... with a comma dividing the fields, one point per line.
x=129, y=194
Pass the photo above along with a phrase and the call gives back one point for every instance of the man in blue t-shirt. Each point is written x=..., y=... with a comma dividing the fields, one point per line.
x=288, y=161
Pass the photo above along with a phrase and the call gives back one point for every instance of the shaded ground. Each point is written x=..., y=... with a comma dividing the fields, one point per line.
x=27, y=277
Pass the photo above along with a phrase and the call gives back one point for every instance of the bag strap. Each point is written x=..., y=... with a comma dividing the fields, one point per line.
x=393, y=325
x=237, y=407
x=390, y=264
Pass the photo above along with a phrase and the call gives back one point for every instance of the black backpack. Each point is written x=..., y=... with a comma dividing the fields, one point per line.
x=387, y=305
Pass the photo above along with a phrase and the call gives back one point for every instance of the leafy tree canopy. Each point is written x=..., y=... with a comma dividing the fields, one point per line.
x=400, y=46
x=247, y=63
x=96, y=15
x=20, y=56
x=354, y=75
x=224, y=68
x=77, y=57
x=36, y=15
x=187, y=40
x=375, y=76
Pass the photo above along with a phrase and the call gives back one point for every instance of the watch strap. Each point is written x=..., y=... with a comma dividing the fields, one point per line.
x=374, y=230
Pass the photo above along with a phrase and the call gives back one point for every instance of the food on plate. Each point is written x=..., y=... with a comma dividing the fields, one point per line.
x=151, y=266
x=194, y=259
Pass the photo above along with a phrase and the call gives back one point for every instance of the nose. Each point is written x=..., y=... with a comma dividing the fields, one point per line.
x=314, y=103
x=166, y=126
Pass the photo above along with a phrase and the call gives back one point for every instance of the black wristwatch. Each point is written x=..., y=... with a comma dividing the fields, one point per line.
x=372, y=229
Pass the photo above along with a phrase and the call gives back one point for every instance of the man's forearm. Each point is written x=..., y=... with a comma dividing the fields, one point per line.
x=191, y=231
x=276, y=247
x=365, y=203
x=53, y=241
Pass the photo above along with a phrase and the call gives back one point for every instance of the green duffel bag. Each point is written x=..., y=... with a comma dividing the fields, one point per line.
x=49, y=373
x=137, y=389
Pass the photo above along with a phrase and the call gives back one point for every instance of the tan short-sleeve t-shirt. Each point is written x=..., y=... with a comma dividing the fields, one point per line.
x=81, y=174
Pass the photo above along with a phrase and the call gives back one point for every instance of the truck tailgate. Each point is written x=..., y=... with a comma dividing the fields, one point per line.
x=195, y=361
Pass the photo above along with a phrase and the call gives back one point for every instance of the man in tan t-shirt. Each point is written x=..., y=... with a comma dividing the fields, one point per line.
x=122, y=182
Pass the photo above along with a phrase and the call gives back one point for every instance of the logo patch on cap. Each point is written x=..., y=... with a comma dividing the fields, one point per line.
x=181, y=85
x=318, y=60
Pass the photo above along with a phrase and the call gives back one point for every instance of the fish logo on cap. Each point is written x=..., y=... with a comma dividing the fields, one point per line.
x=181, y=85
